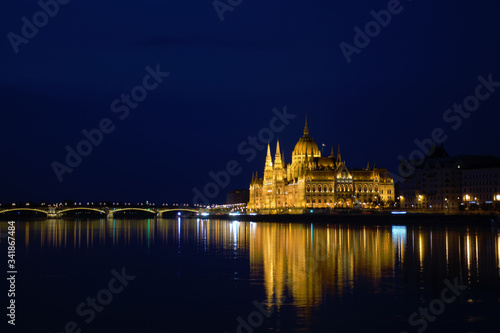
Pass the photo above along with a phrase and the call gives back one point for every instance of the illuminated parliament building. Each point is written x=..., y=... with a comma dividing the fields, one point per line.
x=313, y=181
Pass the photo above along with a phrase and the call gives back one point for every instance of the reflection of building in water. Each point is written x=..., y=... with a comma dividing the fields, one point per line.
x=399, y=243
x=469, y=254
x=305, y=262
x=227, y=238
x=87, y=234
x=293, y=260
x=497, y=250
x=299, y=261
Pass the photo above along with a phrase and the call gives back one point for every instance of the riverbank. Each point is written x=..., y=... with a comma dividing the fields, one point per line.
x=367, y=218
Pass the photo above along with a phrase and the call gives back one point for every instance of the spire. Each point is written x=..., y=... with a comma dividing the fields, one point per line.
x=269, y=161
x=277, y=156
x=306, y=129
x=338, y=155
x=331, y=154
x=368, y=166
x=374, y=164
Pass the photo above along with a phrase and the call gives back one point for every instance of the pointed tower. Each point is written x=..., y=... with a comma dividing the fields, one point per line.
x=268, y=169
x=277, y=156
x=278, y=164
x=368, y=166
x=268, y=179
x=331, y=154
x=339, y=160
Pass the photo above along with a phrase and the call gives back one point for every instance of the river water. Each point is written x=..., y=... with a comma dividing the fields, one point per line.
x=194, y=275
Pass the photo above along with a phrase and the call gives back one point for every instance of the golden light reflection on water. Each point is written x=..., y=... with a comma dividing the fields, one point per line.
x=294, y=262
x=498, y=251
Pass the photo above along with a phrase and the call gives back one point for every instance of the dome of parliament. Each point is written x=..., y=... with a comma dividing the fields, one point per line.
x=306, y=145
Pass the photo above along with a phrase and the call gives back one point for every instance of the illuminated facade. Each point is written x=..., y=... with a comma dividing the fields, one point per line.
x=315, y=182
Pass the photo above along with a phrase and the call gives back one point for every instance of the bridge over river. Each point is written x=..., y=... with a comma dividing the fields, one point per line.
x=107, y=211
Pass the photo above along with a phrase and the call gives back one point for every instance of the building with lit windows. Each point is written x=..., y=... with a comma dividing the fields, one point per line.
x=449, y=184
x=237, y=197
x=481, y=186
x=312, y=181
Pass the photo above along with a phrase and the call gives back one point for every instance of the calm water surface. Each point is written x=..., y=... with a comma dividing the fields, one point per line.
x=195, y=275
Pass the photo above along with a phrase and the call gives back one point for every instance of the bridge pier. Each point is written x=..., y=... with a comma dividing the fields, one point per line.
x=52, y=213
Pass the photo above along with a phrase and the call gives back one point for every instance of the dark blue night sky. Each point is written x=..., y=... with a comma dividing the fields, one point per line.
x=225, y=78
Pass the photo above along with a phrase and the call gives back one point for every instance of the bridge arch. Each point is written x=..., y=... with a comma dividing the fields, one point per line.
x=161, y=211
x=28, y=209
x=80, y=208
x=132, y=208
